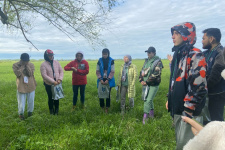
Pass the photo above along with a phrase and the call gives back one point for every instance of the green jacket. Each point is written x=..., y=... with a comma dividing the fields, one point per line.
x=132, y=76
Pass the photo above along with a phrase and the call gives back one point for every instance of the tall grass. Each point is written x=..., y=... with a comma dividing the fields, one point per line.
x=82, y=129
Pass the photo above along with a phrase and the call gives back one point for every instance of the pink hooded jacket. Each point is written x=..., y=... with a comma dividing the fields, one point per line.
x=47, y=73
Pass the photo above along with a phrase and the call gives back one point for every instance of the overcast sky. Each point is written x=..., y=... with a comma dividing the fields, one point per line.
x=136, y=25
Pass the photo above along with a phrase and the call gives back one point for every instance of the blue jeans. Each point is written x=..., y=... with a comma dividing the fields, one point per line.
x=75, y=93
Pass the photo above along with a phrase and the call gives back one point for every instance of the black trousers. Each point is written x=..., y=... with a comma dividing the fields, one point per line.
x=102, y=102
x=216, y=106
x=51, y=102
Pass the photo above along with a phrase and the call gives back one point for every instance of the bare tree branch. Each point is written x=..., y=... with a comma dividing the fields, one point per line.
x=21, y=27
x=71, y=17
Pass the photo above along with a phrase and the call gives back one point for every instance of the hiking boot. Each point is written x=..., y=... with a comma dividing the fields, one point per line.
x=21, y=117
x=151, y=113
x=82, y=106
x=29, y=114
x=145, y=116
x=106, y=110
x=73, y=109
x=103, y=109
x=122, y=111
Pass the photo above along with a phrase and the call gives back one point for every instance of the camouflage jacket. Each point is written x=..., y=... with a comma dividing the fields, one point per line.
x=154, y=77
x=188, y=86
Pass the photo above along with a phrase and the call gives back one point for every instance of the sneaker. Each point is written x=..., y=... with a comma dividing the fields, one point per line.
x=21, y=117
x=106, y=110
x=82, y=106
x=103, y=109
x=122, y=111
x=73, y=109
x=29, y=114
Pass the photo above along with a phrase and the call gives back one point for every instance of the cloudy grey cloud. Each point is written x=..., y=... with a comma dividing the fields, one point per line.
x=136, y=25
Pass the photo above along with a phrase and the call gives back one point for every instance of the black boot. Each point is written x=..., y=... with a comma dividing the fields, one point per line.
x=56, y=105
x=51, y=111
x=56, y=111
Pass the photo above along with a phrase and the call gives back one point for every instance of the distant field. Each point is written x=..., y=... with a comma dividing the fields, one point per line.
x=82, y=129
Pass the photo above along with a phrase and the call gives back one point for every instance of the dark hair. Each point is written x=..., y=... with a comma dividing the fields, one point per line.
x=105, y=50
x=215, y=32
x=25, y=57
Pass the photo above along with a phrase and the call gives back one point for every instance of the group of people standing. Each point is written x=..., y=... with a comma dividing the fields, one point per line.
x=52, y=74
x=195, y=75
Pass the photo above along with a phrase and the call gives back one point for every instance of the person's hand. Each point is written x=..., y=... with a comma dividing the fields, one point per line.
x=102, y=82
x=59, y=81
x=22, y=68
x=167, y=105
x=55, y=83
x=195, y=129
x=143, y=83
x=106, y=81
x=195, y=126
x=74, y=69
x=186, y=119
x=170, y=58
x=24, y=63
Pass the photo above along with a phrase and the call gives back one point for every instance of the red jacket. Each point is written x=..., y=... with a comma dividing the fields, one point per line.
x=79, y=77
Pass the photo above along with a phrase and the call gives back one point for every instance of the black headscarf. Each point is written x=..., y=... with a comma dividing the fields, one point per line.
x=51, y=61
x=46, y=57
x=105, y=60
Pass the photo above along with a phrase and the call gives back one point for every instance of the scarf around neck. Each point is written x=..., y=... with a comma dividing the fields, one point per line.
x=124, y=72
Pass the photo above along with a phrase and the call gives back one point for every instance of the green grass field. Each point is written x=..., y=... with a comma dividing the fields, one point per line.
x=82, y=129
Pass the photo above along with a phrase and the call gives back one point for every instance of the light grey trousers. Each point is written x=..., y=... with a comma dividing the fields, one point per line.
x=21, y=98
x=123, y=98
